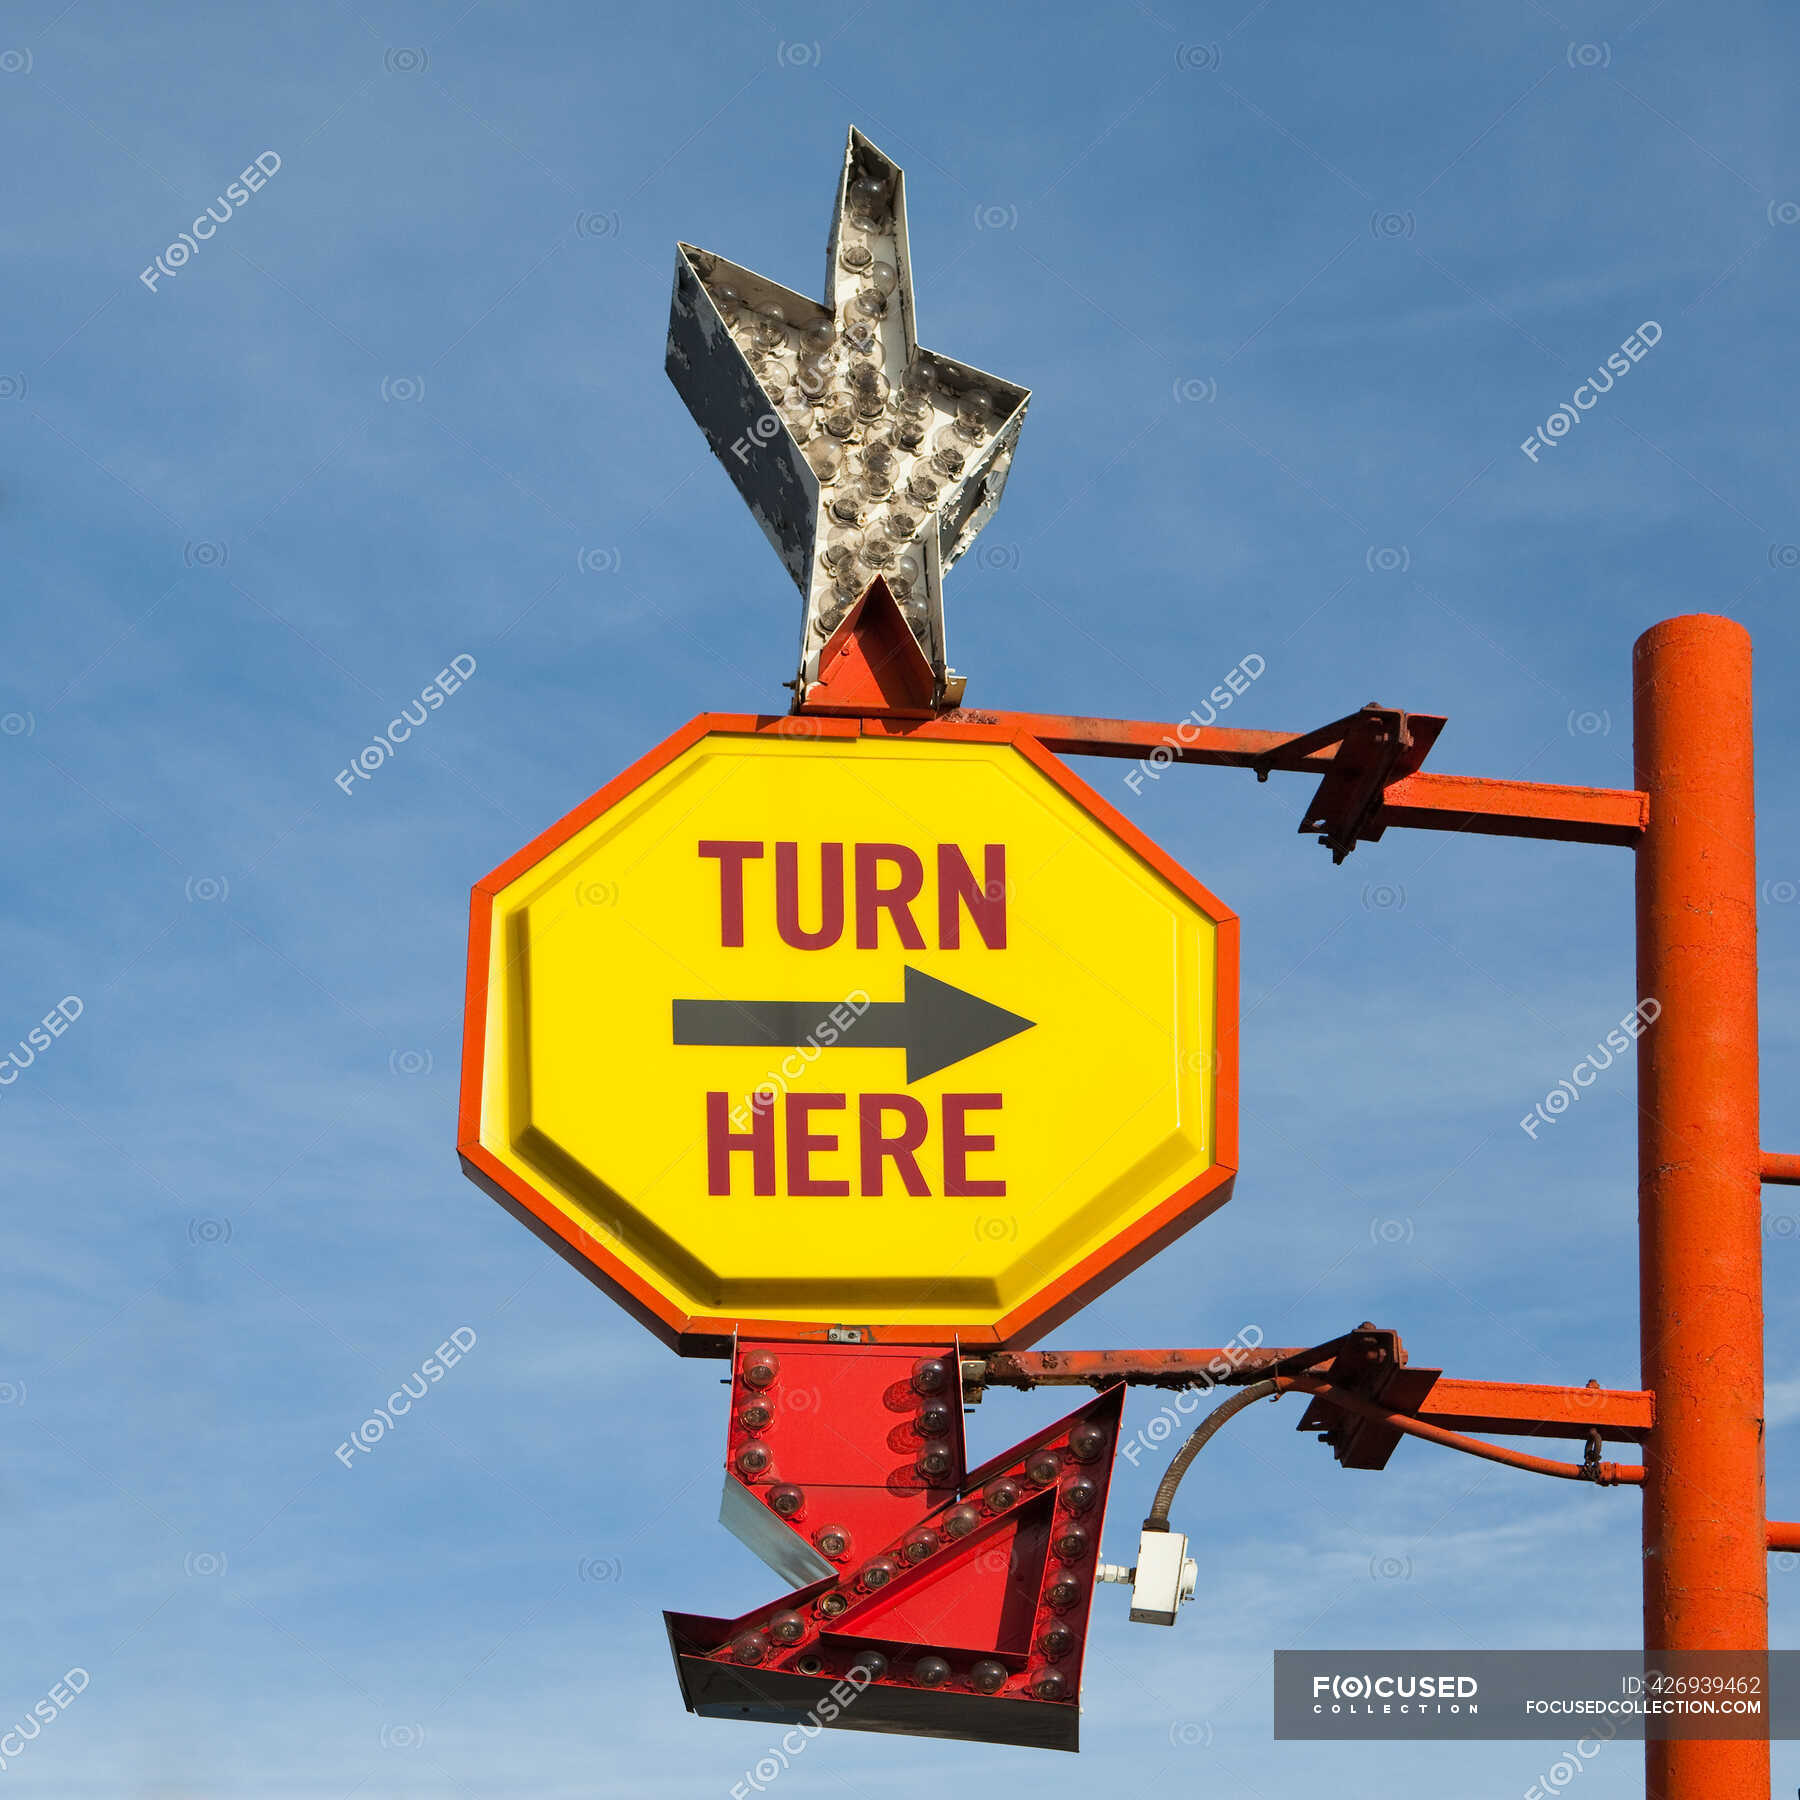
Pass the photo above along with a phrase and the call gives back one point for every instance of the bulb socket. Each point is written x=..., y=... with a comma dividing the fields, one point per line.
x=876, y=1574
x=959, y=1521
x=1087, y=1442
x=934, y=1462
x=934, y=1420
x=918, y=1544
x=930, y=1376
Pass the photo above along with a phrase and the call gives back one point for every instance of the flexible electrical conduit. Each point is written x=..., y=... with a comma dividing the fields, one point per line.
x=1198, y=1439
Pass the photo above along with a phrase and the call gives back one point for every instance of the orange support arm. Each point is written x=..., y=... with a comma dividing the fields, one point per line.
x=1522, y=1409
x=1528, y=809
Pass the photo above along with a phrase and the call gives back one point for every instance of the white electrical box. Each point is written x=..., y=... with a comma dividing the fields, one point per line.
x=1165, y=1578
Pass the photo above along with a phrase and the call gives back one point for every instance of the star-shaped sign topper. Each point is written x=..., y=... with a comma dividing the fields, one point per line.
x=859, y=453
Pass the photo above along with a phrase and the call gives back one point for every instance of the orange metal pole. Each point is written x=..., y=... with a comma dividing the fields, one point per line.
x=1699, y=1173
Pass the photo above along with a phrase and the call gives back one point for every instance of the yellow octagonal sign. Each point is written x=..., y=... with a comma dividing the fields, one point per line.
x=807, y=1024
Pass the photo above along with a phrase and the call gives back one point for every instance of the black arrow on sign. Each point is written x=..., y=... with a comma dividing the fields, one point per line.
x=936, y=1024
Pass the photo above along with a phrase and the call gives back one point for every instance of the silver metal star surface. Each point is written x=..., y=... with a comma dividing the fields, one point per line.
x=859, y=453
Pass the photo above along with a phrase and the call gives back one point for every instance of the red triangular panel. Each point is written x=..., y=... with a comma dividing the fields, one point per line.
x=872, y=662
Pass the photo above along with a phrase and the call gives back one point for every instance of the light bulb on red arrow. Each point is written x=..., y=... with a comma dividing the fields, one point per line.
x=935, y=1024
x=858, y=453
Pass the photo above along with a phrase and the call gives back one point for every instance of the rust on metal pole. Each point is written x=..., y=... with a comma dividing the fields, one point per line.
x=1503, y=1408
x=1699, y=1173
x=1226, y=1365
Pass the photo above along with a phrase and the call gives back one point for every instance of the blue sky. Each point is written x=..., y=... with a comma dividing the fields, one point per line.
x=1291, y=283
